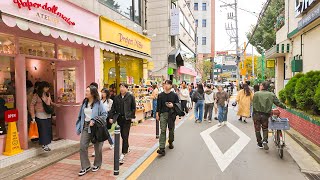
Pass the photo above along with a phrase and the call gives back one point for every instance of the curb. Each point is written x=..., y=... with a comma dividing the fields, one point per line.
x=137, y=164
x=304, y=144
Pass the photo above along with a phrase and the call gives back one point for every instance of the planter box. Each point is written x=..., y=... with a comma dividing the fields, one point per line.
x=304, y=124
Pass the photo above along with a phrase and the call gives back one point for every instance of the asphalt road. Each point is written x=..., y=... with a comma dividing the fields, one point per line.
x=192, y=159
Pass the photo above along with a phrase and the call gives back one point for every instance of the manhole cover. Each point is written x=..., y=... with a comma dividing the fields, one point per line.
x=312, y=176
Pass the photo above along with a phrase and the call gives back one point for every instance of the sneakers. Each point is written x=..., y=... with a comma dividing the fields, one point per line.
x=84, y=171
x=220, y=124
x=209, y=121
x=171, y=146
x=111, y=147
x=161, y=152
x=260, y=145
x=204, y=119
x=46, y=148
x=95, y=168
x=244, y=121
x=265, y=146
x=215, y=118
x=121, y=160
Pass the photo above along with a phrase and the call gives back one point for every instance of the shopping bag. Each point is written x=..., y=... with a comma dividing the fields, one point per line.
x=33, y=130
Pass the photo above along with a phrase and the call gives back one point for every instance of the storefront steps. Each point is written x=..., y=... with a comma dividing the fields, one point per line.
x=31, y=160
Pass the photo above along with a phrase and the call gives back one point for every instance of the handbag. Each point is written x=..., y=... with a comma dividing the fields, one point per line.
x=33, y=130
x=47, y=108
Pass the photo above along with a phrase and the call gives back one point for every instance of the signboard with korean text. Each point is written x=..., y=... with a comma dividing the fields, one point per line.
x=174, y=22
x=271, y=63
x=309, y=18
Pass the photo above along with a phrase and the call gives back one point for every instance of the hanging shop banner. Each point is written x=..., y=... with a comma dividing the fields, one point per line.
x=113, y=32
x=174, y=22
x=271, y=63
x=309, y=18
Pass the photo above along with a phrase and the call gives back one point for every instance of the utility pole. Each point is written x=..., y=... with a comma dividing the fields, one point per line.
x=252, y=63
x=233, y=32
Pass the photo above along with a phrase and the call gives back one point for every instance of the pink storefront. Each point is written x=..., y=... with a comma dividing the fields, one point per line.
x=47, y=40
x=187, y=74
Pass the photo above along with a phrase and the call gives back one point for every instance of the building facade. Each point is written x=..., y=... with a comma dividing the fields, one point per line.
x=204, y=13
x=297, y=39
x=171, y=25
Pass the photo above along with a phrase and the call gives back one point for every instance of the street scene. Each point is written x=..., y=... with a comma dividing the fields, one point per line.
x=159, y=89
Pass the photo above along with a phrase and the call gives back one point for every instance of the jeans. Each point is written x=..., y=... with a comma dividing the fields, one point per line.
x=184, y=105
x=84, y=144
x=198, y=110
x=208, y=108
x=125, y=126
x=222, y=113
x=154, y=108
x=163, y=127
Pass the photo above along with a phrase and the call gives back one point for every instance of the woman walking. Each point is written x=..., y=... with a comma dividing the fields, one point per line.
x=154, y=97
x=41, y=110
x=198, y=98
x=91, y=110
x=244, y=99
x=184, y=96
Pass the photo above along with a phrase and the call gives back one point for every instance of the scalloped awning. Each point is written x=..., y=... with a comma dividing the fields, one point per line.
x=46, y=30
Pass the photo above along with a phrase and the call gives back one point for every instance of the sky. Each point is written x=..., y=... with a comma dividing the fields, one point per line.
x=245, y=20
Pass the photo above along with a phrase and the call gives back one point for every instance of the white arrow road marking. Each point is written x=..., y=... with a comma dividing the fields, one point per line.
x=224, y=160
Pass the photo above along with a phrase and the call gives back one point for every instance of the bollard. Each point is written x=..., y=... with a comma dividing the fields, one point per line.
x=116, y=150
x=157, y=129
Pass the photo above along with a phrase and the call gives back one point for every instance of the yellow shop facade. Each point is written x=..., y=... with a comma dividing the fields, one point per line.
x=129, y=59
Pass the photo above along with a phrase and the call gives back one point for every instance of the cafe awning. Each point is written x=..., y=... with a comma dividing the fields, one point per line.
x=47, y=30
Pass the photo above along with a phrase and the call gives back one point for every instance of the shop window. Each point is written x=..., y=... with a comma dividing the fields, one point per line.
x=69, y=53
x=123, y=74
x=36, y=48
x=67, y=93
x=7, y=45
x=7, y=81
x=128, y=8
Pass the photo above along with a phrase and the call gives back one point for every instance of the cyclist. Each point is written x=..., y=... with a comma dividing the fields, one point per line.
x=262, y=107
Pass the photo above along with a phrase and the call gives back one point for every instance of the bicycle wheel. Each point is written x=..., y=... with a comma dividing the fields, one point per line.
x=280, y=145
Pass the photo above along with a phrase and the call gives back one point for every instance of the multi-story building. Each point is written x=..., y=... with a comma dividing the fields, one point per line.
x=297, y=39
x=172, y=27
x=204, y=13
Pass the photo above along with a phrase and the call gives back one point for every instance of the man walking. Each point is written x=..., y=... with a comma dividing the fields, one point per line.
x=222, y=99
x=123, y=111
x=166, y=101
x=262, y=107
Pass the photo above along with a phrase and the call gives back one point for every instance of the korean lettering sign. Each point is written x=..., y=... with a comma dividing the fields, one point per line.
x=11, y=116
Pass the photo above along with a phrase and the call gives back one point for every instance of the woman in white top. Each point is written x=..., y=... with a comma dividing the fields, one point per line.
x=107, y=104
x=184, y=96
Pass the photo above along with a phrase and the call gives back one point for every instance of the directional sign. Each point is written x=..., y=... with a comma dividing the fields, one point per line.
x=224, y=160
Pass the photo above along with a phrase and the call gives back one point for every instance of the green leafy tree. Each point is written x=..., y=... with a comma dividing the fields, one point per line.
x=282, y=96
x=207, y=69
x=289, y=90
x=316, y=98
x=265, y=35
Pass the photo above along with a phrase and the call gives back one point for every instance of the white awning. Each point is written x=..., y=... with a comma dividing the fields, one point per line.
x=46, y=30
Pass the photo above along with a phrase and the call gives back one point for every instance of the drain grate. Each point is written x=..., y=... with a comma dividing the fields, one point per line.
x=312, y=176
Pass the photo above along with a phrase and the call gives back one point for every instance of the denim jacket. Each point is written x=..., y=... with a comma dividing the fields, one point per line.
x=97, y=111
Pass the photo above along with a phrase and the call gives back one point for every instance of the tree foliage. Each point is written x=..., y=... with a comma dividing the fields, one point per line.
x=265, y=35
x=206, y=69
x=290, y=90
x=248, y=65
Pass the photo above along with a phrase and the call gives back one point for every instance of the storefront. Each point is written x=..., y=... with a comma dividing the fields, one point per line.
x=48, y=41
x=187, y=73
x=127, y=61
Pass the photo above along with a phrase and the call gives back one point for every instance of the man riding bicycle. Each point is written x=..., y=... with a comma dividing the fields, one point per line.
x=263, y=101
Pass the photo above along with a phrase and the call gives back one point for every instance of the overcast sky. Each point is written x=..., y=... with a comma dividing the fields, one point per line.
x=245, y=20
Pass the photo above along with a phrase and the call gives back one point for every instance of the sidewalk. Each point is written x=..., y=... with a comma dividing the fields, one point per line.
x=142, y=139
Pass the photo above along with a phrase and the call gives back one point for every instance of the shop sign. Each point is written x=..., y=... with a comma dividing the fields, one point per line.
x=174, y=22
x=53, y=9
x=303, y=6
x=271, y=63
x=11, y=116
x=115, y=33
x=222, y=53
x=309, y=18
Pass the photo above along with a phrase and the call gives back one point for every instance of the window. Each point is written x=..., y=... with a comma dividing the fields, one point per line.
x=196, y=23
x=128, y=8
x=204, y=23
x=36, y=48
x=173, y=41
x=196, y=6
x=204, y=6
x=204, y=41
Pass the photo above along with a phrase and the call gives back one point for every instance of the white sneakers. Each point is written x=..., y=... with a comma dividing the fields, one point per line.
x=221, y=124
x=121, y=160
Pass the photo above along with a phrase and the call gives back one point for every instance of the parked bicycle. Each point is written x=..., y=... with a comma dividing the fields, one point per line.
x=278, y=126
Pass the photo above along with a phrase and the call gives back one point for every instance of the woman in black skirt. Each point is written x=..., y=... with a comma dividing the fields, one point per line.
x=39, y=114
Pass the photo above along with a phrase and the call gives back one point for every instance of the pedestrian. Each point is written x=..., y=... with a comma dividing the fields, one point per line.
x=91, y=109
x=244, y=99
x=215, y=90
x=3, y=109
x=184, y=96
x=262, y=107
x=198, y=98
x=166, y=101
x=154, y=97
x=30, y=91
x=222, y=103
x=256, y=88
x=41, y=111
x=209, y=97
x=123, y=111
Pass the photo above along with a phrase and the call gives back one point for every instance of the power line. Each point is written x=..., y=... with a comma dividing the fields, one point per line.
x=251, y=12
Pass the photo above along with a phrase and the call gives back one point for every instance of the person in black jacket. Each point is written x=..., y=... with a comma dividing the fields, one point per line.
x=123, y=111
x=3, y=109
